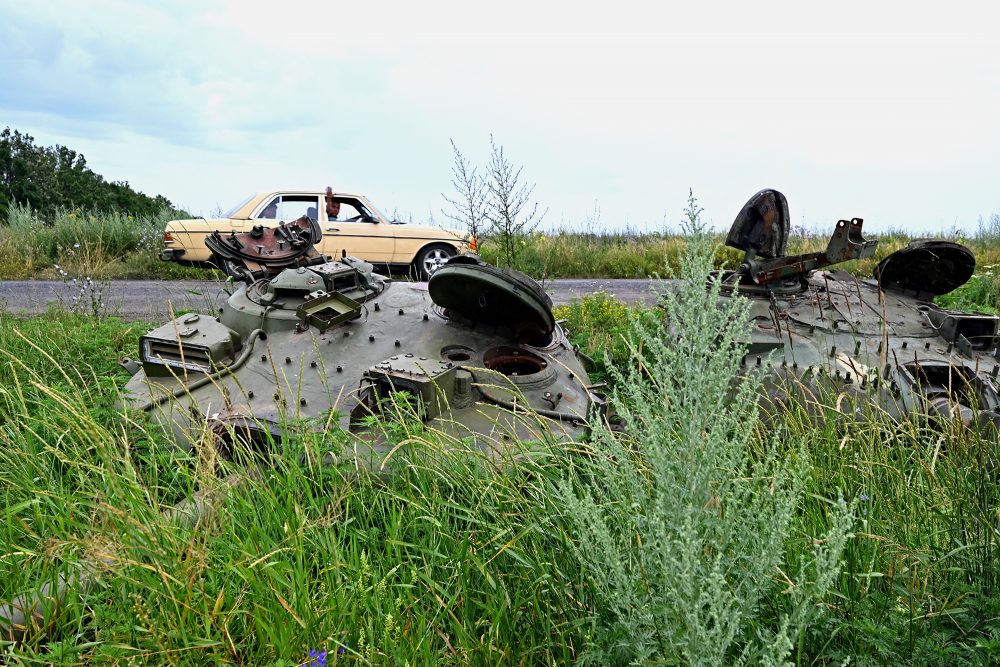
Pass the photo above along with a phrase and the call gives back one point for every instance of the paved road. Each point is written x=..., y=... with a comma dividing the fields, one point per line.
x=152, y=300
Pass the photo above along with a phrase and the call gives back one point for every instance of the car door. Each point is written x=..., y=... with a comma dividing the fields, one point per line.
x=358, y=231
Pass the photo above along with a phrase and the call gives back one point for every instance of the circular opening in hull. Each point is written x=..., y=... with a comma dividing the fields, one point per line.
x=513, y=361
x=456, y=353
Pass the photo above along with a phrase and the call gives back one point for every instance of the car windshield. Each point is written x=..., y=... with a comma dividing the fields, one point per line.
x=231, y=212
x=372, y=211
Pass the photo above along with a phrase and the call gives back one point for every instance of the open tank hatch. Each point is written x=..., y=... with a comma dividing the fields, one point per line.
x=761, y=227
x=502, y=297
x=930, y=267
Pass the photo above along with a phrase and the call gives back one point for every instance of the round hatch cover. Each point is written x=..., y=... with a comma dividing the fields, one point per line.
x=931, y=266
x=484, y=293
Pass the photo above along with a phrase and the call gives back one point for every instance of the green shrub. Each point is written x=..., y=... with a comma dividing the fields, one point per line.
x=680, y=531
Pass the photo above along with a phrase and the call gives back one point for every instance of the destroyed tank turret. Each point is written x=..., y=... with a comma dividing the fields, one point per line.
x=310, y=341
x=862, y=343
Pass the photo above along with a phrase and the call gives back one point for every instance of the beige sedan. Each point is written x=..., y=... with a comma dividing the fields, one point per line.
x=359, y=229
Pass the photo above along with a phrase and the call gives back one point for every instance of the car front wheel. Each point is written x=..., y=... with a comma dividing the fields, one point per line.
x=431, y=259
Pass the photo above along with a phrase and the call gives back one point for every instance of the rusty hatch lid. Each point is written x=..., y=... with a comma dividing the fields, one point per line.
x=762, y=225
x=484, y=293
x=928, y=266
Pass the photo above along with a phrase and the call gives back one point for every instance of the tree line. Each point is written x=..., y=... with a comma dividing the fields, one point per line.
x=50, y=177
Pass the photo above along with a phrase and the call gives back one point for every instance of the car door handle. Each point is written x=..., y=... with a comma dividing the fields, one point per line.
x=333, y=229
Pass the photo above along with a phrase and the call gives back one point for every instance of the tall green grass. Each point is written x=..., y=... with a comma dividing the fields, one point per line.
x=571, y=254
x=450, y=559
x=85, y=244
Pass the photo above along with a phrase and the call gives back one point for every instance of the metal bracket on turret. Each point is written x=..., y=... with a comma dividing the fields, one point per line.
x=847, y=243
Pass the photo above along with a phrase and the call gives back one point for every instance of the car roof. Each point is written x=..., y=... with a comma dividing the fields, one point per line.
x=244, y=211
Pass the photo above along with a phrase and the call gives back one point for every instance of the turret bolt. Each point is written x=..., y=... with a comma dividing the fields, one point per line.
x=927, y=346
x=263, y=357
x=288, y=360
x=312, y=364
x=833, y=351
x=377, y=308
x=425, y=317
x=397, y=343
x=347, y=334
x=904, y=344
x=302, y=402
x=277, y=396
x=340, y=369
x=249, y=394
x=758, y=360
x=400, y=311
x=371, y=338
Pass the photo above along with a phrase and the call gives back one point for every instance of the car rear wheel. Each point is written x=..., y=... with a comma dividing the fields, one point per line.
x=430, y=259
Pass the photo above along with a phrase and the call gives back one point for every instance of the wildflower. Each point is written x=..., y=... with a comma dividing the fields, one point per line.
x=76, y=245
x=316, y=659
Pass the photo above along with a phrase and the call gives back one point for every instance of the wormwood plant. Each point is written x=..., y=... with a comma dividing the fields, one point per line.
x=680, y=530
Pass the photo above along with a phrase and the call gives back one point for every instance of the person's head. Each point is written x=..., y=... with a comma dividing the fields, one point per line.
x=333, y=210
x=270, y=211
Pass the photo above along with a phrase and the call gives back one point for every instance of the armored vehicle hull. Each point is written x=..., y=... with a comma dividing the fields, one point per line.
x=828, y=339
x=309, y=343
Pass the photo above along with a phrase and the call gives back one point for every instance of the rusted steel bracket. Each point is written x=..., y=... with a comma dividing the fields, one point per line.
x=847, y=243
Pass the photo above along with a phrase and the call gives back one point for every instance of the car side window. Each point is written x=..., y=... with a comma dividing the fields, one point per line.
x=293, y=207
x=270, y=211
x=289, y=207
x=352, y=211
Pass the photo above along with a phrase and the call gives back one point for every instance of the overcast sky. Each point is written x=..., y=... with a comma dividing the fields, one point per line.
x=614, y=109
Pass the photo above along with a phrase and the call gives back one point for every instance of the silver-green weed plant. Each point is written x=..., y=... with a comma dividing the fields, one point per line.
x=680, y=529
